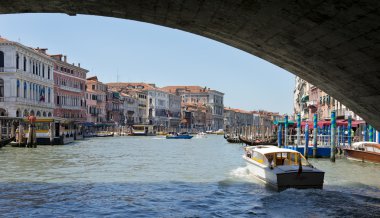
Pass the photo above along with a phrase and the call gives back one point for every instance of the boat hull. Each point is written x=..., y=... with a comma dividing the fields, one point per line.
x=180, y=137
x=281, y=179
x=364, y=156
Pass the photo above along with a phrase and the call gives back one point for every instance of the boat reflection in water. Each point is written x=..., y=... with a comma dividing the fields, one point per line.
x=282, y=168
x=364, y=151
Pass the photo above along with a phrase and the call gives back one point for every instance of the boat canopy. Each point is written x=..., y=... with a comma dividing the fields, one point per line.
x=271, y=149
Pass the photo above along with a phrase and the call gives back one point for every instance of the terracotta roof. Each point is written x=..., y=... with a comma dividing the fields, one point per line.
x=191, y=89
x=143, y=86
x=238, y=110
x=95, y=78
x=4, y=40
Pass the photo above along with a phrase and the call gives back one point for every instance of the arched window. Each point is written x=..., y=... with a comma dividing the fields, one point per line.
x=48, y=95
x=25, y=64
x=49, y=114
x=30, y=90
x=44, y=114
x=17, y=61
x=32, y=113
x=25, y=88
x=18, y=89
x=18, y=113
x=1, y=61
x=1, y=89
x=26, y=113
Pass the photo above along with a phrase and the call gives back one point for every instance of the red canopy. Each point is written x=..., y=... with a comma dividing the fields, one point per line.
x=321, y=123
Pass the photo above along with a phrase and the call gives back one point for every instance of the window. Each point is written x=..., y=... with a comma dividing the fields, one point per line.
x=18, y=89
x=1, y=88
x=48, y=73
x=25, y=88
x=17, y=61
x=25, y=64
x=1, y=61
x=57, y=99
x=43, y=70
x=93, y=87
x=48, y=95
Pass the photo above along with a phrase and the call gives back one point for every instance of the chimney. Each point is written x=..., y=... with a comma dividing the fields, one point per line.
x=65, y=58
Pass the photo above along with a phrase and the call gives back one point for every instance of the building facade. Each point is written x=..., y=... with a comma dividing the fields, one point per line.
x=201, y=95
x=26, y=81
x=96, y=92
x=69, y=89
x=310, y=100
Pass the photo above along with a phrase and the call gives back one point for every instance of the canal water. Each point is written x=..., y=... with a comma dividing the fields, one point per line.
x=155, y=177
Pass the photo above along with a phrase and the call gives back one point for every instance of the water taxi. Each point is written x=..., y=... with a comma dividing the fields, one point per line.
x=179, y=136
x=104, y=134
x=282, y=168
x=364, y=151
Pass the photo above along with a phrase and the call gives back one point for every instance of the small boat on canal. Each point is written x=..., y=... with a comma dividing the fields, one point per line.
x=282, y=168
x=364, y=151
x=179, y=136
x=104, y=134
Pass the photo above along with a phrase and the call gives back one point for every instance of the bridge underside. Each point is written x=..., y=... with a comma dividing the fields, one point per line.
x=333, y=45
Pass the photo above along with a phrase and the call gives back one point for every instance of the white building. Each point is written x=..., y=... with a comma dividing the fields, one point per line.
x=26, y=81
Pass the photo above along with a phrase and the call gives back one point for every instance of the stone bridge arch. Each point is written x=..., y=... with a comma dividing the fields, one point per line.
x=334, y=45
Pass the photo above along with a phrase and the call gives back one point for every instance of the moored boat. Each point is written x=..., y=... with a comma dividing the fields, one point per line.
x=364, y=151
x=282, y=168
x=104, y=134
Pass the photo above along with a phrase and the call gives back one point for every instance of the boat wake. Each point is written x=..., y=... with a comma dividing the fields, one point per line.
x=244, y=174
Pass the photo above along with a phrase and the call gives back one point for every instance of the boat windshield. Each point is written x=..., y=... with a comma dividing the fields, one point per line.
x=286, y=159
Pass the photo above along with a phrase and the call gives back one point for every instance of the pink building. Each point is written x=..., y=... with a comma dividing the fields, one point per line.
x=96, y=100
x=69, y=89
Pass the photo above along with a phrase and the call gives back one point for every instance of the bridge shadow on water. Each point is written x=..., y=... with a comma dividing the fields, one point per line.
x=181, y=199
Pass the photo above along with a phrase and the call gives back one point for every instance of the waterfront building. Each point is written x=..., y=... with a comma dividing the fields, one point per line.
x=156, y=102
x=310, y=100
x=236, y=118
x=202, y=95
x=96, y=100
x=174, y=113
x=26, y=81
x=69, y=89
x=130, y=109
x=114, y=108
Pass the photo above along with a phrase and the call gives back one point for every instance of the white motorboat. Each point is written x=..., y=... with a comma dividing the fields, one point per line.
x=201, y=135
x=282, y=168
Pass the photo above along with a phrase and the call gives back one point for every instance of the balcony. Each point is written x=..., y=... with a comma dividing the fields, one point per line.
x=67, y=88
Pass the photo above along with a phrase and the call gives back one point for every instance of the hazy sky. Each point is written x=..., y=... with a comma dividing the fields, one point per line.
x=124, y=50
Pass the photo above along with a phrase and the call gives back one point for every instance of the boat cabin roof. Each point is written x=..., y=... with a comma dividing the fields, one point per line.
x=265, y=149
x=364, y=144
